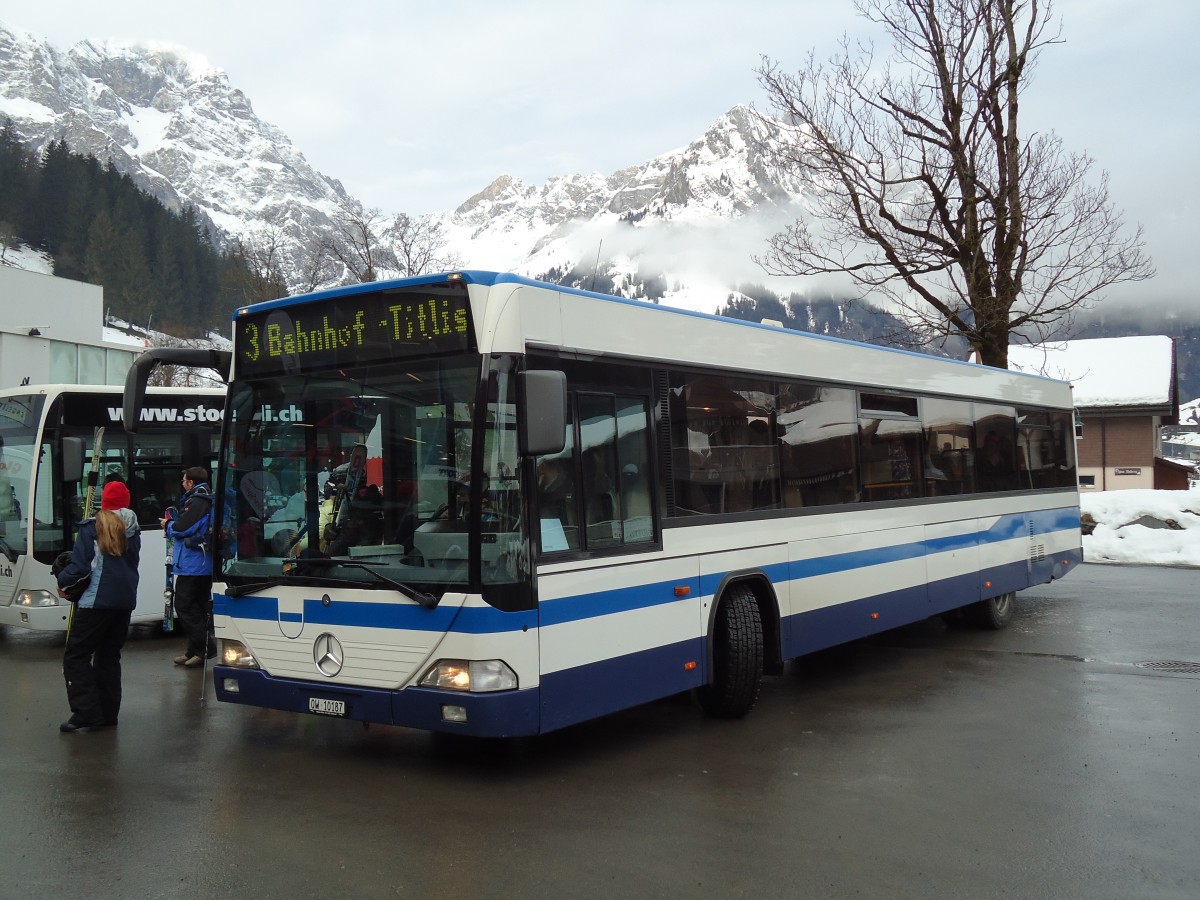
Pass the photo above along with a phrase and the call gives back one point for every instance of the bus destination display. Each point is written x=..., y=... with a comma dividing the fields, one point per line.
x=363, y=328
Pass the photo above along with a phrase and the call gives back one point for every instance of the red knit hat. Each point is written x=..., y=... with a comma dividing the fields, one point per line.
x=115, y=496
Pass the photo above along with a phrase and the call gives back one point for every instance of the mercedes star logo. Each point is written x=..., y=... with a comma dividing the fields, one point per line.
x=327, y=654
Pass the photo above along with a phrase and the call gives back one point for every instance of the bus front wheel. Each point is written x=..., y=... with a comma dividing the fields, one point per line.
x=737, y=656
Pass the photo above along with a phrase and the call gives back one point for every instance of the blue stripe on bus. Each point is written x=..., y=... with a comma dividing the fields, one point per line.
x=487, y=620
x=1004, y=529
x=603, y=603
x=407, y=617
x=618, y=600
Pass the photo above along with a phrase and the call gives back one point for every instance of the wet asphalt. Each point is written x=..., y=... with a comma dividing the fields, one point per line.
x=1047, y=760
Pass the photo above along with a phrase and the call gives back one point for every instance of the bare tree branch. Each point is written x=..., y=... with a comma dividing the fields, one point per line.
x=264, y=253
x=367, y=247
x=419, y=246
x=925, y=190
x=314, y=265
x=355, y=244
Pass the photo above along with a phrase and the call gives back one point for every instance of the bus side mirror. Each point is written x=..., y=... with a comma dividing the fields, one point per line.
x=542, y=398
x=72, y=459
x=138, y=375
x=135, y=391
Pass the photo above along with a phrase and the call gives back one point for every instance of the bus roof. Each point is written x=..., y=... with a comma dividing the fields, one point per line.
x=552, y=317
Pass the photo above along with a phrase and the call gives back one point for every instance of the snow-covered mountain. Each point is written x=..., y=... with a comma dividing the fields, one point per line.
x=682, y=227
x=690, y=220
x=169, y=120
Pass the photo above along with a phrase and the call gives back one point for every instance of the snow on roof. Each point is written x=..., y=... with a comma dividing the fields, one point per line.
x=1125, y=371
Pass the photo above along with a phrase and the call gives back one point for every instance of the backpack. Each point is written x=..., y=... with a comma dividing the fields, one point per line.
x=75, y=591
x=202, y=540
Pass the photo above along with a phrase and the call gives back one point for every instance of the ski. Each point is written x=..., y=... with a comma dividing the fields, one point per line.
x=89, y=500
x=344, y=499
x=169, y=588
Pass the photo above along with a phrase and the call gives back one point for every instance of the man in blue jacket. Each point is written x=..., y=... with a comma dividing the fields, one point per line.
x=192, y=533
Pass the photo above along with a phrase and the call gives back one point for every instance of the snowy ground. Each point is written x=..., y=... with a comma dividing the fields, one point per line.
x=24, y=257
x=1134, y=527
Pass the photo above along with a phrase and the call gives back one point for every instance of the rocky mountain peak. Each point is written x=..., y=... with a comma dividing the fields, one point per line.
x=176, y=125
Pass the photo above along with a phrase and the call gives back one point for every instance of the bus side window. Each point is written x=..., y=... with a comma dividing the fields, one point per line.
x=818, y=428
x=556, y=504
x=633, y=448
x=601, y=481
x=598, y=495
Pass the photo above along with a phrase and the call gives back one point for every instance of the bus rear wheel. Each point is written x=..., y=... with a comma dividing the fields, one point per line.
x=993, y=614
x=737, y=656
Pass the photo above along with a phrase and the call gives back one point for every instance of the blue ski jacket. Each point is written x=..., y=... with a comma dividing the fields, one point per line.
x=192, y=533
x=114, y=579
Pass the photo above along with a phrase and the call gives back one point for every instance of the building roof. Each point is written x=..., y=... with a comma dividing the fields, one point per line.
x=1107, y=373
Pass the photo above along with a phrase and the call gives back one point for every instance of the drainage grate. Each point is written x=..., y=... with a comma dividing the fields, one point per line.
x=1170, y=665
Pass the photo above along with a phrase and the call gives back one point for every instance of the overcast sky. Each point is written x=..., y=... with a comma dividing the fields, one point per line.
x=417, y=106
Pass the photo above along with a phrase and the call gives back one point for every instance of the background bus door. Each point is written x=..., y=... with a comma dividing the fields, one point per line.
x=952, y=560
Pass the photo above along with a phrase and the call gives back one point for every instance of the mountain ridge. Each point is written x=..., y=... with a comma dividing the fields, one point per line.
x=184, y=133
x=172, y=123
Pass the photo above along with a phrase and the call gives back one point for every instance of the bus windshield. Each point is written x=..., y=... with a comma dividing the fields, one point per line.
x=19, y=417
x=362, y=476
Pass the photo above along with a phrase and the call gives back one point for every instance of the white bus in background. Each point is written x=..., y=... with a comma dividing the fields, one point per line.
x=559, y=504
x=48, y=434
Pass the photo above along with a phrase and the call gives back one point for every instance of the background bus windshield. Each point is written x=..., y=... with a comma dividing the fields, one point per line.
x=19, y=417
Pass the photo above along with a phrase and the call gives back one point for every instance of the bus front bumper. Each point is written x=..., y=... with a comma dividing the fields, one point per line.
x=36, y=618
x=499, y=714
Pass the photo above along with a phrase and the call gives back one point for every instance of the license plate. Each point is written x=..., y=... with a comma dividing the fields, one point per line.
x=326, y=707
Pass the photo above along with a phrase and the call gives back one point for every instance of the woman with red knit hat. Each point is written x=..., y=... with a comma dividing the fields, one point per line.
x=105, y=559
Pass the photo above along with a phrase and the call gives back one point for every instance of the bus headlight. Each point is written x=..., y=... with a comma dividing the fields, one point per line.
x=476, y=676
x=235, y=653
x=40, y=598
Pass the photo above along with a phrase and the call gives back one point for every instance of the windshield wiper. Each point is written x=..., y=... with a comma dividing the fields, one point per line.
x=8, y=551
x=241, y=590
x=429, y=601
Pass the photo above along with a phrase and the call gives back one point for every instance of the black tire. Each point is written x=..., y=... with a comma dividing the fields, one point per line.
x=995, y=613
x=737, y=656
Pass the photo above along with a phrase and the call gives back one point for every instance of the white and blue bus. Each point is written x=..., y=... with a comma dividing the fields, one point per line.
x=47, y=447
x=481, y=504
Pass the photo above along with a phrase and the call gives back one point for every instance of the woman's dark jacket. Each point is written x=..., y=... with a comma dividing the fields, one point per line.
x=114, y=579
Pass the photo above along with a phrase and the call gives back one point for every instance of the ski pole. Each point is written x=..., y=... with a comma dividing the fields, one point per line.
x=169, y=588
x=208, y=624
